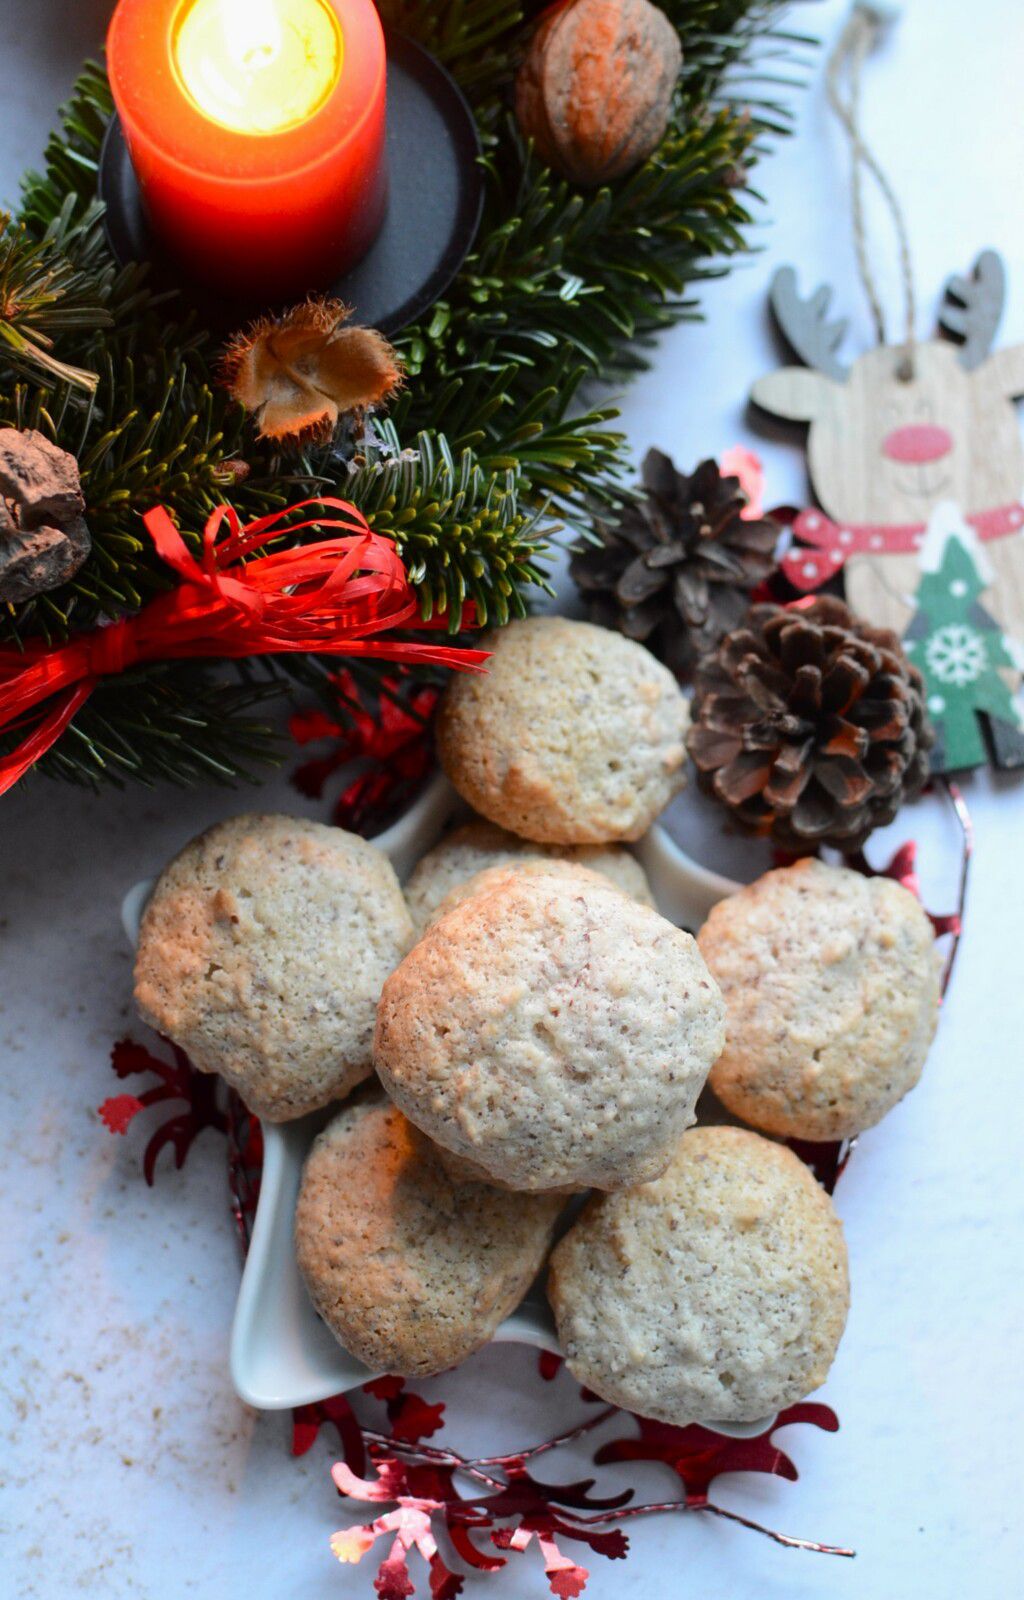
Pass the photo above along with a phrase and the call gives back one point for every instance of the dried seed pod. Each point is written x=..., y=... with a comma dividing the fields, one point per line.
x=299, y=373
x=595, y=90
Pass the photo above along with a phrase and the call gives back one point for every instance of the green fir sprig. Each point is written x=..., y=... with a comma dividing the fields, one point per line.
x=461, y=531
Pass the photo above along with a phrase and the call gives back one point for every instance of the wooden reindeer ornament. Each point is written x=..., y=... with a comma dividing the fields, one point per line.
x=916, y=458
x=906, y=454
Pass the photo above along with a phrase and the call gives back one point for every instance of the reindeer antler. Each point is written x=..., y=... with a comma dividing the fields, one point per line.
x=805, y=324
x=971, y=307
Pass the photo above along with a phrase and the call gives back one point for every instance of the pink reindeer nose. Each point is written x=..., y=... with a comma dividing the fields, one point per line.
x=917, y=442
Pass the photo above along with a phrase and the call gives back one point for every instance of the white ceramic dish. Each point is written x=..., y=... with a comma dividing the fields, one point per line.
x=282, y=1354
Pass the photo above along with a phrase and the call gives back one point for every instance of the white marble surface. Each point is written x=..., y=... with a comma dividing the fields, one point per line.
x=128, y=1466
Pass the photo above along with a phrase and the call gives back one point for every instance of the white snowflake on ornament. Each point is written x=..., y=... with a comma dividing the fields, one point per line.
x=956, y=655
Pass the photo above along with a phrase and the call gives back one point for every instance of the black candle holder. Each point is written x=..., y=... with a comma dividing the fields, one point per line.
x=435, y=199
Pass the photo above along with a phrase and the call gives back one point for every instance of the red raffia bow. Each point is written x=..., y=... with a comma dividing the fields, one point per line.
x=330, y=598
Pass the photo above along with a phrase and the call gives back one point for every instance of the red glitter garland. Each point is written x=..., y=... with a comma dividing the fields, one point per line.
x=391, y=742
x=512, y=1508
x=176, y=1080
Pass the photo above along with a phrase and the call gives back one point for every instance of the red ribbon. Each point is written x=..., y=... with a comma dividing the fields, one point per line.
x=330, y=597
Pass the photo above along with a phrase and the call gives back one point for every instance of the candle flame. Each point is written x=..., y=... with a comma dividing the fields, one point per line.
x=258, y=66
x=253, y=32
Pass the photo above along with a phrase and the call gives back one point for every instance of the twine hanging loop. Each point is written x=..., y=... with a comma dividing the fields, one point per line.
x=865, y=25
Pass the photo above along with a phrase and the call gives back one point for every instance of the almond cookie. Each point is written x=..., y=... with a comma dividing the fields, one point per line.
x=831, y=990
x=574, y=735
x=551, y=1033
x=717, y=1293
x=262, y=954
x=491, y=876
x=478, y=845
x=409, y=1270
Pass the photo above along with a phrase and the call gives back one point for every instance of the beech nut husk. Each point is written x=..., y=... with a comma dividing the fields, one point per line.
x=594, y=92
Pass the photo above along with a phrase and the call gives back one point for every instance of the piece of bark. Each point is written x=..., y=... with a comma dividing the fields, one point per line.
x=40, y=558
x=43, y=535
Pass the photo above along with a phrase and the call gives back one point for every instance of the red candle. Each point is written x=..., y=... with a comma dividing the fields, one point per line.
x=256, y=130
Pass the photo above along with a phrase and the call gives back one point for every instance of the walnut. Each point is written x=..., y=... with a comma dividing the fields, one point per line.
x=43, y=537
x=595, y=90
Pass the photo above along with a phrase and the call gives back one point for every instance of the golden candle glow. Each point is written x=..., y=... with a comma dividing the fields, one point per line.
x=258, y=66
x=256, y=129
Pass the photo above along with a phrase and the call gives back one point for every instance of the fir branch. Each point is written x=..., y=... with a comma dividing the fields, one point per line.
x=183, y=722
x=43, y=295
x=592, y=272
x=721, y=38
x=72, y=155
x=155, y=433
x=474, y=38
x=459, y=527
x=571, y=287
x=564, y=290
x=567, y=286
x=563, y=456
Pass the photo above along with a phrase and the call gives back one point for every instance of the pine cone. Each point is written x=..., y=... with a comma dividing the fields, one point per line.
x=810, y=726
x=677, y=569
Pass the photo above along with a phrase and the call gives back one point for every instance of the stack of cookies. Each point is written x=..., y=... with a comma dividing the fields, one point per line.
x=531, y=1028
